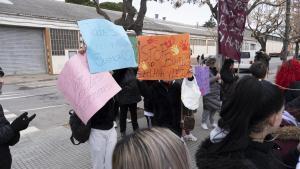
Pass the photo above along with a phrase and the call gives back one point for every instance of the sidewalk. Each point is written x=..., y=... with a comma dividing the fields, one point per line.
x=52, y=149
x=29, y=78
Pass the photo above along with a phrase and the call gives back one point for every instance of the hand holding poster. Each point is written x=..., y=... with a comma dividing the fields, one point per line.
x=108, y=46
x=85, y=92
x=164, y=57
x=202, y=77
x=231, y=26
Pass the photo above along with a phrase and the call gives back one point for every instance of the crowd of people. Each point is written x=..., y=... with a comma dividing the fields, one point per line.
x=257, y=118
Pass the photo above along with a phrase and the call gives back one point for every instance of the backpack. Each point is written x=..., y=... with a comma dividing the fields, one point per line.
x=80, y=131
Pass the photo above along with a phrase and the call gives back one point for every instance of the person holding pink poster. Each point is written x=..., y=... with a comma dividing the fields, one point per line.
x=103, y=137
x=90, y=95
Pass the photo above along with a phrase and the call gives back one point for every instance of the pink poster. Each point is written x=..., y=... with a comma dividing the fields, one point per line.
x=85, y=92
x=231, y=26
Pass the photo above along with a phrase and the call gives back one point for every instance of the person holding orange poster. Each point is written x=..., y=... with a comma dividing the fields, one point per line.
x=164, y=57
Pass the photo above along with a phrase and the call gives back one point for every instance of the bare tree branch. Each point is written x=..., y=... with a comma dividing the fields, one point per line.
x=100, y=11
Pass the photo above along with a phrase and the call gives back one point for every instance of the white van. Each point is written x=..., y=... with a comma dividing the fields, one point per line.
x=247, y=59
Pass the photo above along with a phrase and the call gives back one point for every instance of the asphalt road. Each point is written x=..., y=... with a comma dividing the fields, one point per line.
x=45, y=143
x=43, y=98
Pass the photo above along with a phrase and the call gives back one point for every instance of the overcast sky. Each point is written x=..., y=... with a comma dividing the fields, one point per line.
x=188, y=14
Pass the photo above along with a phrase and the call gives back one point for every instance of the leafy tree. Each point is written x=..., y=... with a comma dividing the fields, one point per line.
x=81, y=2
x=113, y=6
x=128, y=12
x=211, y=23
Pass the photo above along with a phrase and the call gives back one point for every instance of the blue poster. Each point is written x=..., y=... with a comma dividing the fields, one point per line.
x=108, y=46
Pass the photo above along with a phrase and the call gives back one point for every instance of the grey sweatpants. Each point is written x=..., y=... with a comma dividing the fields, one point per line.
x=102, y=144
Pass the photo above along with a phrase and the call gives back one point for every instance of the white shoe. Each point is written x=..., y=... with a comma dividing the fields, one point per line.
x=190, y=137
x=115, y=124
x=215, y=125
x=128, y=120
x=204, y=126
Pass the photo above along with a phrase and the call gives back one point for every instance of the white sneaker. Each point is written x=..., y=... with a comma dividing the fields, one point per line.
x=190, y=137
x=215, y=125
x=115, y=124
x=204, y=126
x=128, y=120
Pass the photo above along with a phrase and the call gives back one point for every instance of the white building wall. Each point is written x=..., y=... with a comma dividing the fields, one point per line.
x=274, y=46
x=58, y=63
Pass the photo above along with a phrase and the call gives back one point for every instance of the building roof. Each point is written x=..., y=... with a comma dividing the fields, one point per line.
x=55, y=10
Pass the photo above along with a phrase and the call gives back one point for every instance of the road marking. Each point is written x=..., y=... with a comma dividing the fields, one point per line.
x=13, y=94
x=29, y=130
x=9, y=92
x=9, y=98
x=40, y=108
x=9, y=116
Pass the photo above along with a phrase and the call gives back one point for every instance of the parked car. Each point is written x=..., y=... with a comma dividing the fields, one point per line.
x=274, y=54
x=247, y=59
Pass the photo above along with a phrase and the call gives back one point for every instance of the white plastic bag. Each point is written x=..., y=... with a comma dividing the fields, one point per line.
x=190, y=94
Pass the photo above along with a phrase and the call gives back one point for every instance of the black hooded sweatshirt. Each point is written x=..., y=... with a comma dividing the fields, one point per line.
x=255, y=156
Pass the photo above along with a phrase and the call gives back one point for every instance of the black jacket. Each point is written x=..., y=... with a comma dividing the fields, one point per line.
x=103, y=119
x=228, y=83
x=129, y=94
x=148, y=105
x=166, y=100
x=255, y=156
x=8, y=137
x=290, y=95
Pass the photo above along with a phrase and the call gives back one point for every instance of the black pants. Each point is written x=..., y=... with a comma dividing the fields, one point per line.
x=123, y=115
x=116, y=110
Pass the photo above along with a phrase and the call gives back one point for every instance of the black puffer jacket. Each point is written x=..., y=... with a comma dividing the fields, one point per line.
x=255, y=156
x=8, y=137
x=129, y=94
x=166, y=102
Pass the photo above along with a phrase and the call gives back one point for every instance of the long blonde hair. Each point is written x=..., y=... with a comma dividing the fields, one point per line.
x=156, y=148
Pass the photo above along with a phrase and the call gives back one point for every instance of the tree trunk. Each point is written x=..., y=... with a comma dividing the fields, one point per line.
x=287, y=31
x=121, y=21
x=297, y=50
x=139, y=22
x=130, y=14
x=262, y=42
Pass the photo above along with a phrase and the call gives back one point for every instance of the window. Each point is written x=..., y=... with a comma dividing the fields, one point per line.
x=246, y=46
x=245, y=54
x=63, y=39
x=198, y=42
x=211, y=43
x=253, y=47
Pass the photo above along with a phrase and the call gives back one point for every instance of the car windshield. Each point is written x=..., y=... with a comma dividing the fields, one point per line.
x=245, y=54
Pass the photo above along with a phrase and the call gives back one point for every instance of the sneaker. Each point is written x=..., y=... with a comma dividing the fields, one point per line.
x=128, y=120
x=115, y=124
x=190, y=137
x=204, y=126
x=215, y=125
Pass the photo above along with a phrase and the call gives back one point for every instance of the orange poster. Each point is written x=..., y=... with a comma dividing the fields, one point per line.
x=164, y=57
